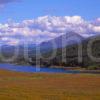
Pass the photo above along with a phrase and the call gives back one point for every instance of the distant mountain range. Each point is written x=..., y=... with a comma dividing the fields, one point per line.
x=66, y=45
x=89, y=54
x=61, y=41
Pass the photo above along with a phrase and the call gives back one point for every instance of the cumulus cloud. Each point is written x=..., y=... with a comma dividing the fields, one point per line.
x=46, y=28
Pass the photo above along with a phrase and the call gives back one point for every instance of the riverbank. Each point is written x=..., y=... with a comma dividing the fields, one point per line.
x=46, y=86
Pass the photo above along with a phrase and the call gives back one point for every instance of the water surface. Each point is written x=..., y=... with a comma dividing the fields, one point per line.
x=33, y=69
x=20, y=68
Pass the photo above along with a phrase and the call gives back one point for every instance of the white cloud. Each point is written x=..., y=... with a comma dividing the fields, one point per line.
x=47, y=27
x=96, y=28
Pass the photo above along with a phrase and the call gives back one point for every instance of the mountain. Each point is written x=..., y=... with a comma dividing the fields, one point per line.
x=66, y=46
x=89, y=54
x=64, y=40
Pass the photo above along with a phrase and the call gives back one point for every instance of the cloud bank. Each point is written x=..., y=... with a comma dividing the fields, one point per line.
x=45, y=28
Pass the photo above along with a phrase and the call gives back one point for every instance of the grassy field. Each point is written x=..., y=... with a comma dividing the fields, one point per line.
x=44, y=86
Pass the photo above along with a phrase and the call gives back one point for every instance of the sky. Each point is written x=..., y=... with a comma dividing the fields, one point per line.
x=19, y=10
x=41, y=20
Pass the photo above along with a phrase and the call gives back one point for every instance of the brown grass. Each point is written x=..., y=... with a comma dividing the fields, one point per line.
x=44, y=86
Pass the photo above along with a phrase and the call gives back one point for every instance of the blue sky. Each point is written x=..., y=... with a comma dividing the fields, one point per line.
x=29, y=9
x=52, y=19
